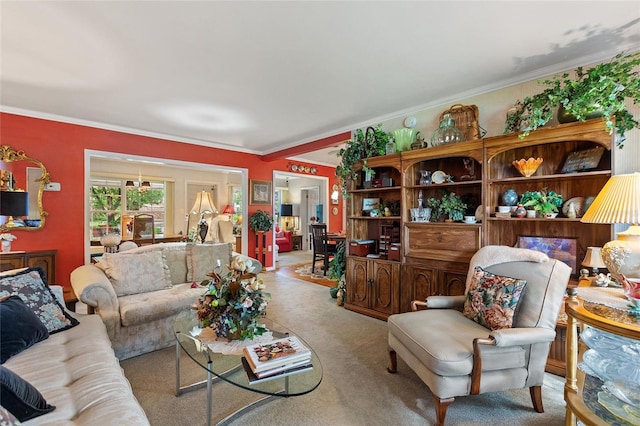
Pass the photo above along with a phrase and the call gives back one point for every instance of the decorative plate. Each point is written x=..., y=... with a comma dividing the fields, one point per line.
x=479, y=213
x=578, y=205
x=438, y=177
x=294, y=168
x=587, y=203
x=334, y=210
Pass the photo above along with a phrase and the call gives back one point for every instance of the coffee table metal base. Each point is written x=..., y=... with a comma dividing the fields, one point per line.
x=210, y=380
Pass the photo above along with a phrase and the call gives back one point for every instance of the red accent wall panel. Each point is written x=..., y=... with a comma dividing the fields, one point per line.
x=61, y=146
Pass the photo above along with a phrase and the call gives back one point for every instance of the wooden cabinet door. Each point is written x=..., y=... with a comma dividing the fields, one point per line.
x=47, y=263
x=452, y=283
x=418, y=283
x=9, y=262
x=385, y=277
x=357, y=282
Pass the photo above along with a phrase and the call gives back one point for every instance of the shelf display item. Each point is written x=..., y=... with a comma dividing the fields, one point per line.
x=527, y=167
x=438, y=176
x=447, y=132
x=510, y=197
x=404, y=138
x=466, y=119
x=425, y=177
x=577, y=203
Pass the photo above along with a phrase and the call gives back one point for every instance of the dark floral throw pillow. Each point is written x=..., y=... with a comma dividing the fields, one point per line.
x=31, y=285
x=492, y=299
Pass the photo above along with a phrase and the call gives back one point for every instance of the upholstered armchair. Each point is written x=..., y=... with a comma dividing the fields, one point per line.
x=457, y=356
x=284, y=240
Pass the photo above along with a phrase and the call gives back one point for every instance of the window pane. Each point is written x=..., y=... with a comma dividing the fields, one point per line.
x=109, y=211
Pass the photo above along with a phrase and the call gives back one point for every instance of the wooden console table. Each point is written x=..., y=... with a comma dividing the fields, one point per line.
x=296, y=242
x=45, y=259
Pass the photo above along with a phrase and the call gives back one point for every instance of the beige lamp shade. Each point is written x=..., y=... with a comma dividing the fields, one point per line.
x=204, y=204
x=619, y=202
x=593, y=258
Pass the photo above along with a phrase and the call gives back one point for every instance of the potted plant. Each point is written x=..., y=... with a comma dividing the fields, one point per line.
x=337, y=268
x=602, y=89
x=545, y=203
x=453, y=206
x=370, y=143
x=448, y=207
x=261, y=221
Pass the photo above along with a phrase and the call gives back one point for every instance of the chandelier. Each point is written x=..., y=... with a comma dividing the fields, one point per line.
x=142, y=185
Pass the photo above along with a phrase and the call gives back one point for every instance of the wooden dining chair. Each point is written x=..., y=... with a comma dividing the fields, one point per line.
x=322, y=250
x=144, y=229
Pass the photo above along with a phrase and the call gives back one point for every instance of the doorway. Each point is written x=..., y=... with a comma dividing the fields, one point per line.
x=304, y=192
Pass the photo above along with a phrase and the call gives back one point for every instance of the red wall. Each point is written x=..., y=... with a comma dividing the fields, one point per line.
x=60, y=147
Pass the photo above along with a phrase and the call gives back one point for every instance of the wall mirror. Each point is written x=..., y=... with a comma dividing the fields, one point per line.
x=22, y=182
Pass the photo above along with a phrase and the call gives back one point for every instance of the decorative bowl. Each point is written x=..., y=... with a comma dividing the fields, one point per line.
x=527, y=167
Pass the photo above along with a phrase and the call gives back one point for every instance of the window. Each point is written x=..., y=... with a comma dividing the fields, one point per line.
x=111, y=212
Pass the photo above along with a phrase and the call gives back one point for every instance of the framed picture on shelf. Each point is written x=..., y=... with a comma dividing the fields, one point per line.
x=260, y=192
x=563, y=249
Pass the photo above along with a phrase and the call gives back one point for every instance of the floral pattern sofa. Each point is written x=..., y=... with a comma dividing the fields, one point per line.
x=138, y=293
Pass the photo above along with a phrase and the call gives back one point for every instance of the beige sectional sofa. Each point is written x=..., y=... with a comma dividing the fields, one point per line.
x=72, y=367
x=138, y=293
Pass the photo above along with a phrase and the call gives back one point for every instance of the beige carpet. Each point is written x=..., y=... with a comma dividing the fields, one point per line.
x=356, y=389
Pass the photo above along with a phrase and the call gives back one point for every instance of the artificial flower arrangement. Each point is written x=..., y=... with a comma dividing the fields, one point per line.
x=233, y=303
x=7, y=237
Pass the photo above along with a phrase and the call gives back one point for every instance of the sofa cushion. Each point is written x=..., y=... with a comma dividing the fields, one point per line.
x=31, y=285
x=20, y=398
x=492, y=299
x=175, y=258
x=202, y=258
x=450, y=354
x=19, y=328
x=79, y=374
x=145, y=307
x=133, y=273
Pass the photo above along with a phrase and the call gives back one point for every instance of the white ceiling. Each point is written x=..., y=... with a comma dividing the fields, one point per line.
x=263, y=76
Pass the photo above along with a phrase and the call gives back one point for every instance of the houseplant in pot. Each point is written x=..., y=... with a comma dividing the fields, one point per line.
x=449, y=207
x=545, y=203
x=364, y=144
x=600, y=90
x=261, y=222
x=337, y=269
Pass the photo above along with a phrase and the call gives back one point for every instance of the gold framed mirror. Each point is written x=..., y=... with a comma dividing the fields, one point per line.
x=22, y=183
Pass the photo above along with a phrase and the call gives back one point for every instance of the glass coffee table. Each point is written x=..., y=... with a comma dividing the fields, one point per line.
x=222, y=361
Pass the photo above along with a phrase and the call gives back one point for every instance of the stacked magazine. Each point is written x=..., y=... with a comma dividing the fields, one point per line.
x=276, y=358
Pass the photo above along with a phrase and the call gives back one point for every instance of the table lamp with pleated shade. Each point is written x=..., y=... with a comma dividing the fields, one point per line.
x=619, y=202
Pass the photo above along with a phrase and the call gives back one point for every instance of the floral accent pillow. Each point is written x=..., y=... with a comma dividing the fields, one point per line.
x=492, y=299
x=31, y=285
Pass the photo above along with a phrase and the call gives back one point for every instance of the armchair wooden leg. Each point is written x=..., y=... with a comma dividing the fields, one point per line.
x=441, y=408
x=536, y=398
x=393, y=362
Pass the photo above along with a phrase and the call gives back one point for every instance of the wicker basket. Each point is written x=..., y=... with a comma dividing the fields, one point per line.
x=466, y=119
